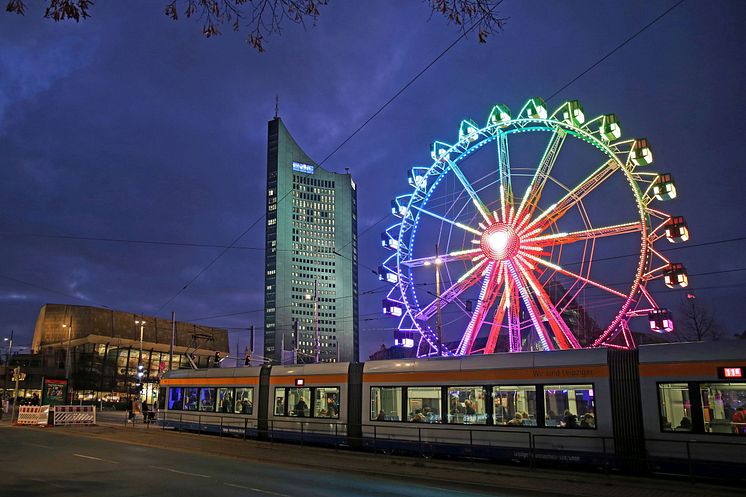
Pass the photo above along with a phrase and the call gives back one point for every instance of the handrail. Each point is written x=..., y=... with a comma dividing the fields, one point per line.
x=308, y=425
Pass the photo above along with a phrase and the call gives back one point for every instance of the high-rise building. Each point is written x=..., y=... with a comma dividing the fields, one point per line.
x=310, y=279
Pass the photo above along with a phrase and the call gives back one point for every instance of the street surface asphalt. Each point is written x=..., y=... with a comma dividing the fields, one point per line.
x=114, y=459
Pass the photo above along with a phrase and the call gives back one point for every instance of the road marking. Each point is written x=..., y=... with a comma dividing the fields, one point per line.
x=181, y=472
x=255, y=489
x=95, y=458
x=38, y=445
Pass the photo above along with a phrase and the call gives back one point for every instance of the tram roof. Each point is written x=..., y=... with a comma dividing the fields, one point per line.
x=726, y=350
x=214, y=373
x=582, y=357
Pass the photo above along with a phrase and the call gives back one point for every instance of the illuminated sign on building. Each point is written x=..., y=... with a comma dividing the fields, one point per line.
x=302, y=168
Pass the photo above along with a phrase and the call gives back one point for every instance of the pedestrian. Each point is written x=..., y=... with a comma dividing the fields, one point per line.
x=145, y=413
x=136, y=408
x=130, y=410
x=35, y=399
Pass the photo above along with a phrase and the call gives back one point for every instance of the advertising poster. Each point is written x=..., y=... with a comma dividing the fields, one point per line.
x=53, y=392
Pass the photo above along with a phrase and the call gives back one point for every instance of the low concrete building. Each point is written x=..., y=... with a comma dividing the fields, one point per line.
x=98, y=351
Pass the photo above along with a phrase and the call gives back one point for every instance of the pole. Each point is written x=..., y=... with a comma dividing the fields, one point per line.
x=173, y=336
x=142, y=326
x=317, y=342
x=437, y=296
x=68, y=358
x=17, y=372
x=295, y=338
x=7, y=363
x=10, y=347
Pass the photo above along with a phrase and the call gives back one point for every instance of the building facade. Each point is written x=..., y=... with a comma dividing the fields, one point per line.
x=311, y=285
x=98, y=351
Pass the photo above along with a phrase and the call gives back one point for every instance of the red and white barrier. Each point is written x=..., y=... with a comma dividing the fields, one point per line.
x=74, y=415
x=33, y=415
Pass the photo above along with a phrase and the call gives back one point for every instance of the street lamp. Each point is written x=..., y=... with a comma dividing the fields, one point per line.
x=7, y=360
x=438, y=263
x=140, y=368
x=316, y=338
x=67, y=348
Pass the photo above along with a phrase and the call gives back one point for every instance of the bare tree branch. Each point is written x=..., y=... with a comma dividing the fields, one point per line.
x=698, y=321
x=264, y=18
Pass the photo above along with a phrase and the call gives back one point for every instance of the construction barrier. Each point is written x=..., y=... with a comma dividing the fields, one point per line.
x=29, y=415
x=74, y=415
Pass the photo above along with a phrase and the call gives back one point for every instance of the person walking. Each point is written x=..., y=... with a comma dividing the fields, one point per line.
x=130, y=410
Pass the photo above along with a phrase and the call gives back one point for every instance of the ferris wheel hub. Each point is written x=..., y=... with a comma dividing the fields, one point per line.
x=499, y=241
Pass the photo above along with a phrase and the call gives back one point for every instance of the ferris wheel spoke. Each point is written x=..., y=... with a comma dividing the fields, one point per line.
x=506, y=186
x=530, y=307
x=445, y=219
x=466, y=281
x=459, y=255
x=481, y=207
x=576, y=276
x=556, y=211
x=533, y=193
x=492, y=282
x=563, y=334
x=590, y=234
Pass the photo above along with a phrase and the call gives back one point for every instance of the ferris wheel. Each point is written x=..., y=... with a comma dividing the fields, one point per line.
x=533, y=232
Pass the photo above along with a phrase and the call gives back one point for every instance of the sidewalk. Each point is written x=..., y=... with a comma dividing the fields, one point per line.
x=477, y=475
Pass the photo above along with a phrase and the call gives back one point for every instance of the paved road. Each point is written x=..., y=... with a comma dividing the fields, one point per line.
x=46, y=462
x=117, y=459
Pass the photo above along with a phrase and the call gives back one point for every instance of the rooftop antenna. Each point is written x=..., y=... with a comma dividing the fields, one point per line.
x=277, y=105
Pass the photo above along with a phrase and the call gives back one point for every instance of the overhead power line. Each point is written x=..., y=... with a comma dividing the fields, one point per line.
x=615, y=49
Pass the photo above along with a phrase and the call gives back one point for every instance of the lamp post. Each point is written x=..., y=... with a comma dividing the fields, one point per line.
x=316, y=340
x=140, y=371
x=438, y=262
x=7, y=361
x=68, y=359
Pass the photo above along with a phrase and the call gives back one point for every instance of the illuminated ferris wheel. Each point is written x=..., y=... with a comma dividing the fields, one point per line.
x=543, y=240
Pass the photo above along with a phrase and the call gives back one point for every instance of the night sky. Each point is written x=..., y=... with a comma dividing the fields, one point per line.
x=130, y=126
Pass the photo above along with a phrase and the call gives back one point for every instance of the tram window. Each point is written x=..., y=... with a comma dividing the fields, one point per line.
x=175, y=399
x=191, y=396
x=385, y=403
x=225, y=400
x=724, y=407
x=510, y=402
x=466, y=405
x=424, y=404
x=675, y=407
x=244, y=401
x=280, y=401
x=326, y=402
x=207, y=400
x=298, y=401
x=569, y=406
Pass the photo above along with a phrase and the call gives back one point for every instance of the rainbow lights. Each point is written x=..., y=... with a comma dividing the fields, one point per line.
x=511, y=245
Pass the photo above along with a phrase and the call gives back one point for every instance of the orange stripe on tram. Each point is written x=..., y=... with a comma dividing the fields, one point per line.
x=547, y=374
x=685, y=369
x=325, y=379
x=209, y=381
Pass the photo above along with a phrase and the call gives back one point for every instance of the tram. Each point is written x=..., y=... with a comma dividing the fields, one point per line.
x=668, y=407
